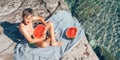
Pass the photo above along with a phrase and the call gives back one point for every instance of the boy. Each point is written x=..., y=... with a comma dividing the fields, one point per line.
x=26, y=28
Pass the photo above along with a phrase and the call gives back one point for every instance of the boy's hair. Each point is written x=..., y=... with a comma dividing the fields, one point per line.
x=27, y=11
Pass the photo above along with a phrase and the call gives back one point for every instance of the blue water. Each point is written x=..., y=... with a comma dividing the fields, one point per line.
x=101, y=22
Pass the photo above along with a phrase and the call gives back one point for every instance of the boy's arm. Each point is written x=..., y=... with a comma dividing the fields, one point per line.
x=41, y=19
x=27, y=36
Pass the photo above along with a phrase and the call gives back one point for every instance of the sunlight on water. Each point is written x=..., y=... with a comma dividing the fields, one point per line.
x=101, y=22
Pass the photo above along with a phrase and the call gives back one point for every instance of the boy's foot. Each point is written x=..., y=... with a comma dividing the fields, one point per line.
x=56, y=44
x=56, y=34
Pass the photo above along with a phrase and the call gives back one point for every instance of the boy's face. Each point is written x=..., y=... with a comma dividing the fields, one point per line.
x=28, y=19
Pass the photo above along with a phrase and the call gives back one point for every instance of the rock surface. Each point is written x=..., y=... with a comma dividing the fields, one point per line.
x=11, y=15
x=82, y=51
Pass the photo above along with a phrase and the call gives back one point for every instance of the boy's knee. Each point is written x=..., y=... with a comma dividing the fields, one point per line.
x=44, y=45
x=50, y=23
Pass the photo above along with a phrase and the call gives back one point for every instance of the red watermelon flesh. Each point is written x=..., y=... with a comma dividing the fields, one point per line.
x=39, y=31
x=71, y=32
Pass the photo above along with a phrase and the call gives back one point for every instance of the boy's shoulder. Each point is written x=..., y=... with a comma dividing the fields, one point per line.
x=21, y=25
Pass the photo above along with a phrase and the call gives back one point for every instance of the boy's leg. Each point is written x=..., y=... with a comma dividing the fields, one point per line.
x=48, y=41
x=50, y=27
x=44, y=44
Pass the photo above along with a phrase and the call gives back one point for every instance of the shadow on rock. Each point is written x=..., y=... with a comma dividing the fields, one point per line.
x=11, y=30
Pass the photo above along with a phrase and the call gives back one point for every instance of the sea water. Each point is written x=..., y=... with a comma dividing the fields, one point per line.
x=101, y=22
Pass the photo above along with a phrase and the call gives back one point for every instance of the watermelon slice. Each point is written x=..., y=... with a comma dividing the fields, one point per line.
x=71, y=32
x=39, y=31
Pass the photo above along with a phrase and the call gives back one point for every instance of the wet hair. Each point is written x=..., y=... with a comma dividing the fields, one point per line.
x=27, y=11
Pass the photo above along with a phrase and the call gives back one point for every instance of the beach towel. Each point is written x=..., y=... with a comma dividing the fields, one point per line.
x=61, y=20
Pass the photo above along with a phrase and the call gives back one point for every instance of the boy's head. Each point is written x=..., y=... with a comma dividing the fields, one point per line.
x=27, y=15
